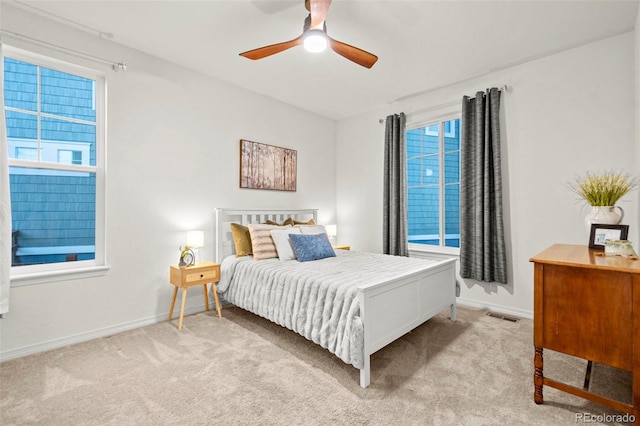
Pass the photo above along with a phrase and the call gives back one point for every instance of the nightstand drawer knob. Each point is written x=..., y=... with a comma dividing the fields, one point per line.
x=206, y=275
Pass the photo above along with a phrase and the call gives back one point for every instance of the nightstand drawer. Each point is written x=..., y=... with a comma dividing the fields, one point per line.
x=200, y=273
x=211, y=274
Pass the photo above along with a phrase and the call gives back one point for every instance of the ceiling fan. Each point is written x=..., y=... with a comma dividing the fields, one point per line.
x=315, y=39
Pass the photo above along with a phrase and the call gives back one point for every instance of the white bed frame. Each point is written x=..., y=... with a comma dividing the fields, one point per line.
x=388, y=310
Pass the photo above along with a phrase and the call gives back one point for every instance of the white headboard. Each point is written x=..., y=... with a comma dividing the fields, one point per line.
x=224, y=217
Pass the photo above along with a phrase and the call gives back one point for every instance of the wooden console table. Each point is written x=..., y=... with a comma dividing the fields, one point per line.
x=587, y=305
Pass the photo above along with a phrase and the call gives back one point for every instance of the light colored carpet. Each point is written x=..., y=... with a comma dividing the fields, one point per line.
x=244, y=370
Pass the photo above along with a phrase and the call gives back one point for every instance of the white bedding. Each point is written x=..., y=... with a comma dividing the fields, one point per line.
x=316, y=299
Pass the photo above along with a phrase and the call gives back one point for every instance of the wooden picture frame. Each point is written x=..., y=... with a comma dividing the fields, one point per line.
x=600, y=233
x=265, y=166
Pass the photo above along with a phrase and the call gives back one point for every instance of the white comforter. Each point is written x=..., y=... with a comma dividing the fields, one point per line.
x=317, y=299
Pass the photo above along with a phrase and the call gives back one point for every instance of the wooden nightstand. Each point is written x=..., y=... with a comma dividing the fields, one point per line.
x=200, y=273
x=342, y=247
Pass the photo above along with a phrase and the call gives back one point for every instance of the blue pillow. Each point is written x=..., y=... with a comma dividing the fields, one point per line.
x=311, y=246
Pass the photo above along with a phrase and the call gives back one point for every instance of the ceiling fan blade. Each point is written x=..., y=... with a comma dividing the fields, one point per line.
x=263, y=52
x=318, y=10
x=352, y=53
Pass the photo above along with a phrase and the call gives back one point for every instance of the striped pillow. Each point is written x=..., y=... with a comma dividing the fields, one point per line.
x=261, y=241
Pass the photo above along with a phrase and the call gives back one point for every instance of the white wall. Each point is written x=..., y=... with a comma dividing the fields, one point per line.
x=564, y=114
x=172, y=157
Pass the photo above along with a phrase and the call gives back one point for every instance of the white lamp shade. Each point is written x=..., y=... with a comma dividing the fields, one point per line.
x=195, y=239
x=332, y=230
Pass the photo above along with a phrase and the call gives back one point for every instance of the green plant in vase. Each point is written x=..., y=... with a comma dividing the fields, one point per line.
x=602, y=191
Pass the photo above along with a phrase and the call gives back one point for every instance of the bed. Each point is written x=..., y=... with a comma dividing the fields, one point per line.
x=370, y=306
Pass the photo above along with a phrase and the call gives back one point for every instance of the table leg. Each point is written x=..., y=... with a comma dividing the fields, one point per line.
x=215, y=296
x=184, y=301
x=537, y=376
x=587, y=376
x=206, y=296
x=173, y=302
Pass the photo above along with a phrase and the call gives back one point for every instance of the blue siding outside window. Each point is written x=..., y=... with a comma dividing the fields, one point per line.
x=54, y=211
x=67, y=95
x=433, y=176
x=20, y=85
x=21, y=126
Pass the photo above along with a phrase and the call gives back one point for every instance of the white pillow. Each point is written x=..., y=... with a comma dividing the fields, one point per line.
x=313, y=229
x=283, y=245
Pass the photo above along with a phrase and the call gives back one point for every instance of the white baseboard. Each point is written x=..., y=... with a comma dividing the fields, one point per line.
x=495, y=308
x=94, y=334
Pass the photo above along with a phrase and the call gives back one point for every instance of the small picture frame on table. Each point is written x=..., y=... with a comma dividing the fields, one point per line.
x=600, y=233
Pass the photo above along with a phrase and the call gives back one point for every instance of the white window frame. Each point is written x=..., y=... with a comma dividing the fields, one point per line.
x=430, y=118
x=38, y=274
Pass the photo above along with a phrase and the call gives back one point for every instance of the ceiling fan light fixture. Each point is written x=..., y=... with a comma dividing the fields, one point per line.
x=315, y=41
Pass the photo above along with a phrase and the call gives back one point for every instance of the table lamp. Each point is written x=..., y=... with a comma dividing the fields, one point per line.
x=332, y=231
x=195, y=240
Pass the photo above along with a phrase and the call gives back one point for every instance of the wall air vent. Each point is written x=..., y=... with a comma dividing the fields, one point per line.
x=502, y=316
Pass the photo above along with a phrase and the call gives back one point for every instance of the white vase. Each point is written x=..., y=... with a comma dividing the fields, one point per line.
x=608, y=215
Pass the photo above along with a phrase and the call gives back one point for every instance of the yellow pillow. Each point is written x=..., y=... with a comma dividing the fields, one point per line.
x=271, y=222
x=291, y=221
x=241, y=240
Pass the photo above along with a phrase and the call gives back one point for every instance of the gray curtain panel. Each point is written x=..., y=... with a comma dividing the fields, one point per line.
x=395, y=187
x=482, y=249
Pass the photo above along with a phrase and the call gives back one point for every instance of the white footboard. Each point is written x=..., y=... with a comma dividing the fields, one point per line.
x=392, y=309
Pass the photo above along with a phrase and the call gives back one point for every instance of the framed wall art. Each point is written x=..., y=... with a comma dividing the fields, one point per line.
x=600, y=233
x=265, y=166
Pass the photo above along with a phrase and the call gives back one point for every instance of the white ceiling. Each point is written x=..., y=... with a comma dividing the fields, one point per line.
x=421, y=45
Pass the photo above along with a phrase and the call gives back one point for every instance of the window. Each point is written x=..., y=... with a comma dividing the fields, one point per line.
x=67, y=156
x=433, y=181
x=450, y=129
x=55, y=137
x=25, y=153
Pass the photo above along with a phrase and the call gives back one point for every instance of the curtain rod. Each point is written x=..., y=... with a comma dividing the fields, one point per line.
x=116, y=66
x=503, y=88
